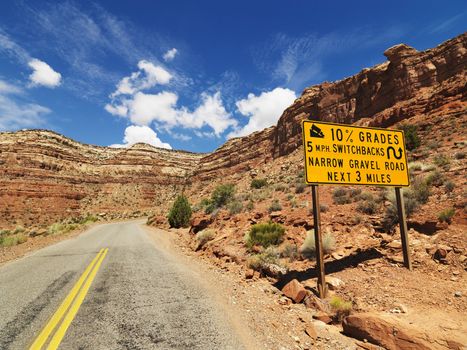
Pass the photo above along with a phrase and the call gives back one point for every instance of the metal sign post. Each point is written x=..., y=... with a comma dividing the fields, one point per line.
x=340, y=154
x=403, y=228
x=318, y=242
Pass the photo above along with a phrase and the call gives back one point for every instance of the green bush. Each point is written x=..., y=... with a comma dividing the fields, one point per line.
x=340, y=307
x=412, y=140
x=340, y=196
x=300, y=187
x=459, y=155
x=446, y=215
x=258, y=183
x=59, y=228
x=367, y=207
x=180, y=213
x=434, y=178
x=222, y=194
x=308, y=248
x=275, y=206
x=265, y=234
x=449, y=186
x=234, y=207
x=11, y=240
x=442, y=161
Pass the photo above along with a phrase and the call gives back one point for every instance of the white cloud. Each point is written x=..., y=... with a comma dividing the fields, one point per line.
x=170, y=54
x=136, y=134
x=263, y=110
x=17, y=115
x=43, y=74
x=7, y=88
x=161, y=108
x=148, y=76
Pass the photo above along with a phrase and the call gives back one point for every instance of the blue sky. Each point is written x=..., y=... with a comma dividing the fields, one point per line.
x=191, y=74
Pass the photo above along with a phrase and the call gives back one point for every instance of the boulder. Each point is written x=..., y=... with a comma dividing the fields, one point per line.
x=295, y=291
x=384, y=332
x=200, y=222
x=311, y=331
x=323, y=317
x=334, y=283
x=273, y=270
x=311, y=301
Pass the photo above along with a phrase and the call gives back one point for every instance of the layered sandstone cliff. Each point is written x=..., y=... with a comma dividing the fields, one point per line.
x=46, y=175
x=410, y=83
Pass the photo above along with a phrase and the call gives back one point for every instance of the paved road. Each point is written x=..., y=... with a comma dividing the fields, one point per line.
x=141, y=297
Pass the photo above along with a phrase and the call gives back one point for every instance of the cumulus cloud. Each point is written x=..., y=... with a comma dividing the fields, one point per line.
x=136, y=134
x=148, y=76
x=170, y=54
x=43, y=74
x=263, y=111
x=130, y=100
x=17, y=114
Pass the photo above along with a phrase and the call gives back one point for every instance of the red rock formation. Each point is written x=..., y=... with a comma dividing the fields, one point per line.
x=46, y=175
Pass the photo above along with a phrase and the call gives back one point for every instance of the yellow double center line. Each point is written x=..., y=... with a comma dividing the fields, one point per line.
x=69, y=307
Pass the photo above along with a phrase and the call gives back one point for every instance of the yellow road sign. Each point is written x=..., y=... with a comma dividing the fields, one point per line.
x=354, y=155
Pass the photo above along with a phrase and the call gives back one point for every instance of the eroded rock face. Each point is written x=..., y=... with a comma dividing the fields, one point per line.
x=48, y=176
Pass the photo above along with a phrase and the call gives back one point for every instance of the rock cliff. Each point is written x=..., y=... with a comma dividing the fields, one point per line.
x=46, y=175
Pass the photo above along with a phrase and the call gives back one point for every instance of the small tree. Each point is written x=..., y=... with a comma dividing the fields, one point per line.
x=412, y=140
x=222, y=194
x=180, y=213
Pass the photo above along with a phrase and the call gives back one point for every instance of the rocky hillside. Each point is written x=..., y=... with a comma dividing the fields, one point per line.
x=45, y=176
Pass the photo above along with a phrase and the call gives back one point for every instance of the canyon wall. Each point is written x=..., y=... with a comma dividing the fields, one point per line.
x=46, y=175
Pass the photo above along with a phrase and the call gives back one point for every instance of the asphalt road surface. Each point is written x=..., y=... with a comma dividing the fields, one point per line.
x=109, y=288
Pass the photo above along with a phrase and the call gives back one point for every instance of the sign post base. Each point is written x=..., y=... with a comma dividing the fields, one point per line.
x=403, y=228
x=318, y=243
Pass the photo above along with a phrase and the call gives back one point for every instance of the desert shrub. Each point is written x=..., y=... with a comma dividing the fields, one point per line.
x=234, y=207
x=275, y=206
x=340, y=307
x=280, y=188
x=259, y=261
x=289, y=251
x=180, y=213
x=222, y=194
x=367, y=206
x=366, y=196
x=300, y=187
x=459, y=155
x=18, y=229
x=258, y=183
x=250, y=205
x=265, y=234
x=412, y=140
x=323, y=208
x=442, y=161
x=415, y=166
x=446, y=215
x=308, y=248
x=355, y=193
x=434, y=178
x=290, y=197
x=11, y=240
x=61, y=228
x=412, y=199
x=449, y=186
x=88, y=219
x=339, y=196
x=205, y=236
